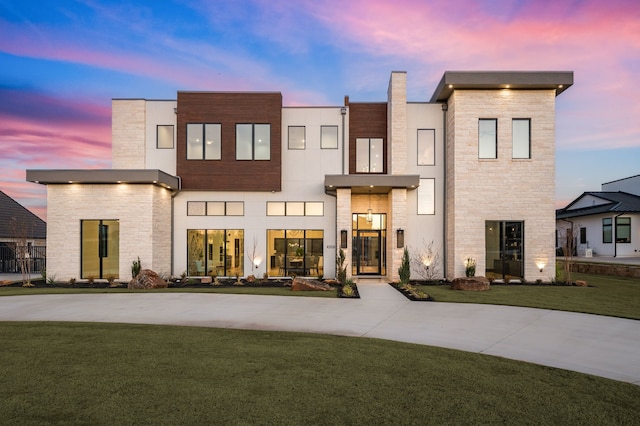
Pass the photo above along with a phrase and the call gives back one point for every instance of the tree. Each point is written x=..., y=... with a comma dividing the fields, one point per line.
x=341, y=267
x=404, y=271
x=22, y=230
x=568, y=241
x=427, y=262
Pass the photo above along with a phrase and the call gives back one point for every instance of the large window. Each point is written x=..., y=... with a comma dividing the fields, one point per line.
x=296, y=137
x=329, y=137
x=369, y=155
x=607, y=228
x=488, y=138
x=164, y=137
x=100, y=248
x=295, y=208
x=253, y=141
x=426, y=147
x=215, y=252
x=427, y=197
x=295, y=252
x=203, y=141
x=215, y=208
x=521, y=128
x=623, y=230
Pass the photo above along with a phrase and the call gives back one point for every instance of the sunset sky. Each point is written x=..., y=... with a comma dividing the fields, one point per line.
x=61, y=63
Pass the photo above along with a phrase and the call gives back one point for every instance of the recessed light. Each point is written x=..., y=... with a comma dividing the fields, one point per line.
x=451, y=86
x=560, y=86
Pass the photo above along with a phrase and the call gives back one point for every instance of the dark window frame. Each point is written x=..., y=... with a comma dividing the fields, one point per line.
x=495, y=157
x=528, y=157
x=204, y=141
x=607, y=230
x=304, y=138
x=321, y=139
x=253, y=141
x=418, y=147
x=173, y=139
x=620, y=226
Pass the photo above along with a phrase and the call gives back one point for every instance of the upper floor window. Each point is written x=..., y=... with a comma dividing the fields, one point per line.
x=329, y=137
x=521, y=133
x=488, y=138
x=215, y=208
x=296, y=137
x=607, y=235
x=164, y=136
x=426, y=147
x=369, y=155
x=623, y=230
x=253, y=141
x=295, y=208
x=203, y=141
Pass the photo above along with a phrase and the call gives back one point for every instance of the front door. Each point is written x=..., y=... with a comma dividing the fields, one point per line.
x=367, y=252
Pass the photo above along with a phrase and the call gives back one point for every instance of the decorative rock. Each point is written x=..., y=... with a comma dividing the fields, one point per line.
x=147, y=279
x=301, y=284
x=251, y=279
x=470, y=284
x=581, y=283
x=206, y=280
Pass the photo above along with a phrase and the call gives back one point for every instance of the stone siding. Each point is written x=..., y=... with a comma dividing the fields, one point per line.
x=128, y=133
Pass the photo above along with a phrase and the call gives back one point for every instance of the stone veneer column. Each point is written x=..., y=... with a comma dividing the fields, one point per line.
x=344, y=221
x=128, y=123
x=397, y=124
x=397, y=220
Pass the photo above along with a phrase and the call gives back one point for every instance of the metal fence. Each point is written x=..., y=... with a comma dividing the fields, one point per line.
x=10, y=263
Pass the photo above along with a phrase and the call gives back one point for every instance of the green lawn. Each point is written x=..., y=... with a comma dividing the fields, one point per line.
x=78, y=373
x=613, y=296
x=265, y=291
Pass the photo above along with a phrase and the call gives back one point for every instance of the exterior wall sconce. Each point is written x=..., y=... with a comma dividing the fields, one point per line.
x=400, y=234
x=343, y=239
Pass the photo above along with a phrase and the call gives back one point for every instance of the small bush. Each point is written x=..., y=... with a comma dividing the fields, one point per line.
x=136, y=267
x=405, y=268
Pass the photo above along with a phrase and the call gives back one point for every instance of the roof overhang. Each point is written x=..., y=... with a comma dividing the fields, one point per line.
x=104, y=176
x=493, y=80
x=375, y=184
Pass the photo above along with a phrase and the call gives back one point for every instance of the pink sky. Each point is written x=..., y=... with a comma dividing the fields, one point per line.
x=65, y=61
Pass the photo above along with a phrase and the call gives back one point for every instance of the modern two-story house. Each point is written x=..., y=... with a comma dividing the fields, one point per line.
x=236, y=184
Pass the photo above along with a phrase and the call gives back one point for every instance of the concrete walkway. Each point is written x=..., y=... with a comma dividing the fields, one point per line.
x=598, y=345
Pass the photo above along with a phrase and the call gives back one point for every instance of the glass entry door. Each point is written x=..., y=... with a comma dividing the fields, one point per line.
x=368, y=248
x=504, y=249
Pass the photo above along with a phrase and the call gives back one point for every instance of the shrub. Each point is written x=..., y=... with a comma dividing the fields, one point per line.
x=470, y=267
x=341, y=273
x=136, y=266
x=405, y=268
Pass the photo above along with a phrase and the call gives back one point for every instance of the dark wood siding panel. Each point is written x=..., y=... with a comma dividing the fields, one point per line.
x=229, y=109
x=367, y=120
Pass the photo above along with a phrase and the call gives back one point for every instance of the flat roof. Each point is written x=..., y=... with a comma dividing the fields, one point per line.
x=104, y=176
x=484, y=80
x=370, y=183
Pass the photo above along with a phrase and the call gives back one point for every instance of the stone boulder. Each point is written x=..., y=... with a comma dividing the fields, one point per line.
x=302, y=284
x=470, y=284
x=147, y=279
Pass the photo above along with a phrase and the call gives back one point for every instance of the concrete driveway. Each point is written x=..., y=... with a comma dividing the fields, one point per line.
x=593, y=344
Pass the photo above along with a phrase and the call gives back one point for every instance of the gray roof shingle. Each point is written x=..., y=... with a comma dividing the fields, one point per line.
x=617, y=202
x=10, y=208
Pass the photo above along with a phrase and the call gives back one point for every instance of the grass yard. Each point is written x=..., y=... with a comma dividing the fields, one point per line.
x=612, y=296
x=265, y=291
x=72, y=373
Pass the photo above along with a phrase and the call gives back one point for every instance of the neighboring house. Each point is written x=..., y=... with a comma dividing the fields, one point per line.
x=219, y=183
x=605, y=223
x=20, y=227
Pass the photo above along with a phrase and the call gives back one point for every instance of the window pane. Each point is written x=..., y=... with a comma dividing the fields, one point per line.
x=329, y=137
x=195, y=252
x=244, y=136
x=212, y=142
x=362, y=155
x=234, y=261
x=196, y=208
x=426, y=147
x=295, y=208
x=215, y=208
x=296, y=137
x=262, y=141
x=314, y=209
x=235, y=208
x=623, y=230
x=275, y=208
x=215, y=252
x=165, y=137
x=194, y=142
x=426, y=197
x=375, y=159
x=521, y=138
x=607, y=234
x=487, y=138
